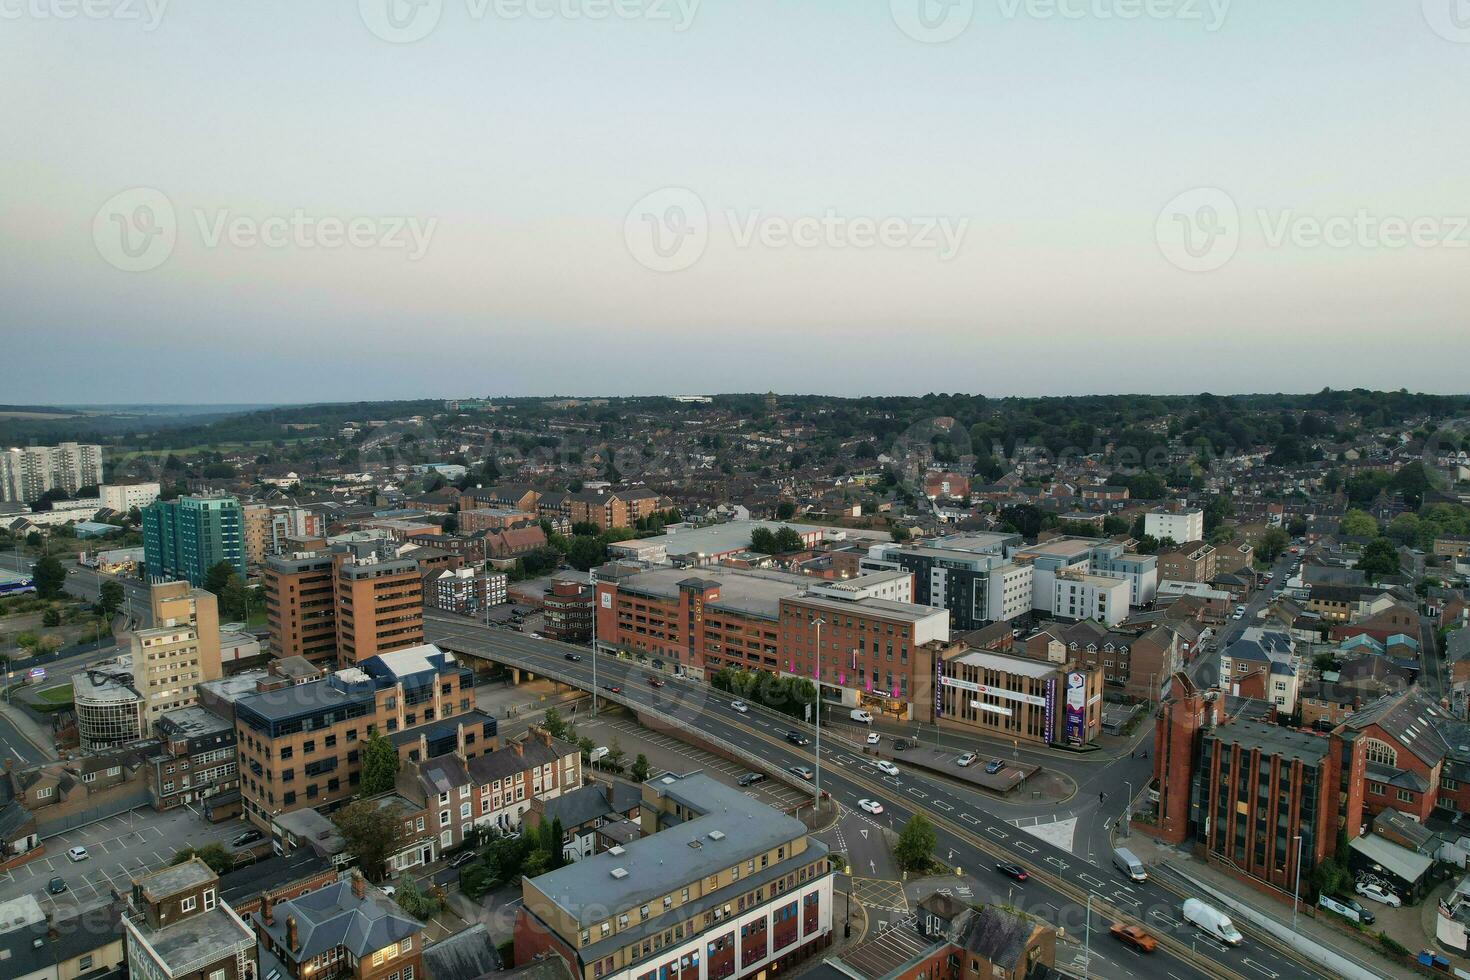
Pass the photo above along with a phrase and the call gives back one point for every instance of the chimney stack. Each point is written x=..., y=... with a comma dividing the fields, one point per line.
x=520, y=749
x=291, y=941
x=267, y=909
x=545, y=737
x=359, y=885
x=423, y=747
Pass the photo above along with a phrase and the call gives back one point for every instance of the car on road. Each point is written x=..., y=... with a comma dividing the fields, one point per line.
x=1377, y=893
x=966, y=759
x=56, y=886
x=612, y=689
x=902, y=745
x=1012, y=871
x=994, y=766
x=884, y=766
x=77, y=853
x=1134, y=936
x=872, y=806
x=801, y=771
x=874, y=738
x=797, y=738
x=751, y=778
x=654, y=682
x=739, y=706
x=249, y=837
x=574, y=657
x=463, y=858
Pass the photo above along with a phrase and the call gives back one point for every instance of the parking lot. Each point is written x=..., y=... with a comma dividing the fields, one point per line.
x=118, y=848
x=668, y=754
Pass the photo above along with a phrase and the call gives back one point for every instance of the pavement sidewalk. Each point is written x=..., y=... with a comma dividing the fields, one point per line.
x=32, y=732
x=1157, y=855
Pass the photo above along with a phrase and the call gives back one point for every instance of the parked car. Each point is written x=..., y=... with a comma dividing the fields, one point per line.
x=463, y=858
x=1012, y=871
x=389, y=890
x=1377, y=893
x=872, y=806
x=739, y=706
x=994, y=766
x=801, y=771
x=575, y=657
x=249, y=837
x=57, y=885
x=1211, y=921
x=966, y=759
x=874, y=738
x=902, y=745
x=77, y=854
x=599, y=752
x=884, y=766
x=751, y=778
x=1135, y=937
x=797, y=738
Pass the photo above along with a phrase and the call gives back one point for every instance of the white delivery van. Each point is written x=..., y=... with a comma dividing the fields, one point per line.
x=858, y=714
x=1127, y=862
x=1211, y=921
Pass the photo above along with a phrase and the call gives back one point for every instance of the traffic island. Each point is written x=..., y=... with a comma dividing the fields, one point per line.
x=1009, y=777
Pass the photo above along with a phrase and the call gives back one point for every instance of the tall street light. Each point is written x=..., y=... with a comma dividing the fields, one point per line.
x=820, y=622
x=1296, y=885
x=1087, y=938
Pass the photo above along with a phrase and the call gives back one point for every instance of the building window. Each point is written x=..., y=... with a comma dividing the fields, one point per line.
x=187, y=905
x=1380, y=752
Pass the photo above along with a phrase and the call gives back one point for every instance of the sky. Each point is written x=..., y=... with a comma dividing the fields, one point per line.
x=354, y=199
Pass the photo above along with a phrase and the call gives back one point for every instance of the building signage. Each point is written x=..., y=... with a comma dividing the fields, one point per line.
x=992, y=708
x=939, y=681
x=998, y=692
x=1050, y=715
x=607, y=600
x=1076, y=706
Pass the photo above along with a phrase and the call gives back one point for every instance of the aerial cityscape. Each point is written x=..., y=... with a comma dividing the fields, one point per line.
x=697, y=490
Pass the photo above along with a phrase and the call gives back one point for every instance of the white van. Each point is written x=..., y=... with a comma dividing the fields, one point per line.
x=1211, y=921
x=598, y=753
x=1127, y=862
x=858, y=714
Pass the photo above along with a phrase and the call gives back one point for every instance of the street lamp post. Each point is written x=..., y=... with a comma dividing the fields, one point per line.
x=1296, y=885
x=1087, y=938
x=1127, y=806
x=817, y=764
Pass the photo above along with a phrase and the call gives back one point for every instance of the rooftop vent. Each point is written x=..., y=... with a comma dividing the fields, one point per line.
x=615, y=850
x=716, y=835
x=696, y=844
x=620, y=873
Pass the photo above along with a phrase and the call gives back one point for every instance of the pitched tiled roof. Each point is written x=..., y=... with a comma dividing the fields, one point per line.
x=333, y=916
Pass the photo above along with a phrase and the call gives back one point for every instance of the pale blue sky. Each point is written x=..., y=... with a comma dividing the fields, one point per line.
x=522, y=144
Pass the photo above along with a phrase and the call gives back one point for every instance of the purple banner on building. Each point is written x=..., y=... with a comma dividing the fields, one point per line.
x=938, y=686
x=1050, y=713
x=1076, y=707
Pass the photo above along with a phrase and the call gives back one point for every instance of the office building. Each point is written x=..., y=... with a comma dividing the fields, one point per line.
x=968, y=575
x=1018, y=698
x=181, y=650
x=109, y=707
x=300, y=744
x=718, y=885
x=379, y=601
x=29, y=472
x=123, y=497
x=185, y=538
x=177, y=928
x=270, y=528
x=301, y=606
x=1177, y=526
x=466, y=591
x=195, y=759
x=568, y=610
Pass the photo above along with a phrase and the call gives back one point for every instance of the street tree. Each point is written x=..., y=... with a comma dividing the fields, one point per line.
x=379, y=765
x=370, y=833
x=916, y=843
x=49, y=577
